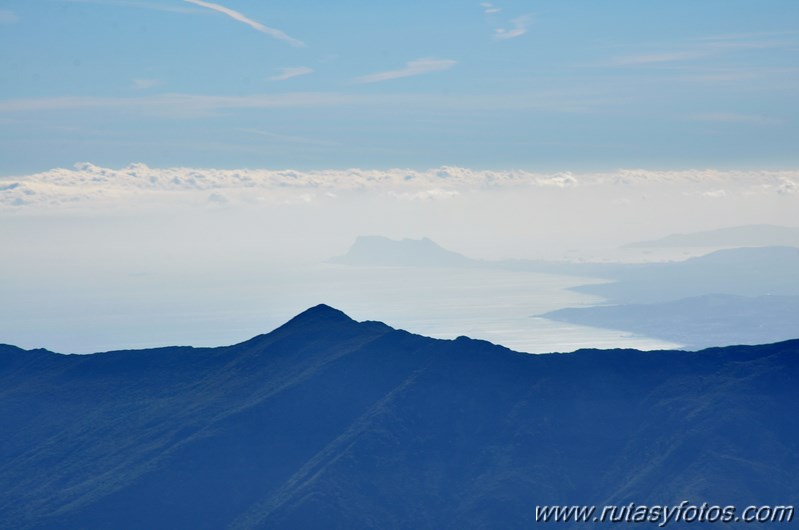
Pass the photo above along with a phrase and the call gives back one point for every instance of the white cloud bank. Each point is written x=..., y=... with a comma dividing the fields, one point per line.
x=138, y=184
x=235, y=15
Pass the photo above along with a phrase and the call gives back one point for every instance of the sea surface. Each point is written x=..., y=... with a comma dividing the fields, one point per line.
x=110, y=311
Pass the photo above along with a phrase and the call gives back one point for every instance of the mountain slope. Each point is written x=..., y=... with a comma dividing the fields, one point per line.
x=330, y=423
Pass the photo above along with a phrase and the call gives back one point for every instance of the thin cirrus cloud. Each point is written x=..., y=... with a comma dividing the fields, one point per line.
x=707, y=47
x=180, y=105
x=412, y=68
x=285, y=137
x=733, y=117
x=519, y=26
x=235, y=15
x=288, y=73
x=489, y=8
x=8, y=17
x=135, y=4
x=177, y=104
x=144, y=84
x=654, y=58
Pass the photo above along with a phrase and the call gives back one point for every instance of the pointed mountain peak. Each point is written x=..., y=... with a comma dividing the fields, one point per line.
x=320, y=325
x=320, y=314
x=319, y=318
x=323, y=310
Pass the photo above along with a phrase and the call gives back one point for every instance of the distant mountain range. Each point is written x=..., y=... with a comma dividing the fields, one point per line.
x=748, y=271
x=757, y=271
x=697, y=322
x=331, y=423
x=746, y=295
x=735, y=236
x=381, y=251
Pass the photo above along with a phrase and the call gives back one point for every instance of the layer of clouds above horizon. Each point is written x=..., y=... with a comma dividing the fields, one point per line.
x=543, y=87
x=198, y=217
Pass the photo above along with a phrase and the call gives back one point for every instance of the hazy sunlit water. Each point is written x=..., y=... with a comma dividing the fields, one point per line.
x=108, y=311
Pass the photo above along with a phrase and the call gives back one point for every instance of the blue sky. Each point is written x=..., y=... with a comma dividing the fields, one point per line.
x=536, y=85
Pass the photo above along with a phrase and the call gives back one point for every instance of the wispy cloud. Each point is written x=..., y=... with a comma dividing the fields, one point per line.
x=773, y=78
x=135, y=4
x=751, y=41
x=235, y=15
x=724, y=45
x=285, y=137
x=489, y=8
x=751, y=35
x=144, y=84
x=706, y=47
x=185, y=105
x=199, y=105
x=288, y=73
x=412, y=68
x=8, y=17
x=653, y=58
x=519, y=26
x=733, y=117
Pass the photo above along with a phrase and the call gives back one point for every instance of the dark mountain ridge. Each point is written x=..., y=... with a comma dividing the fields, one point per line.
x=330, y=423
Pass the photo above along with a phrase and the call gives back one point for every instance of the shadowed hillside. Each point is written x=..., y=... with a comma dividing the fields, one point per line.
x=331, y=423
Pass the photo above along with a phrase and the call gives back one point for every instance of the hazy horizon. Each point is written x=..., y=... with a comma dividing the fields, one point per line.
x=160, y=151
x=106, y=258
